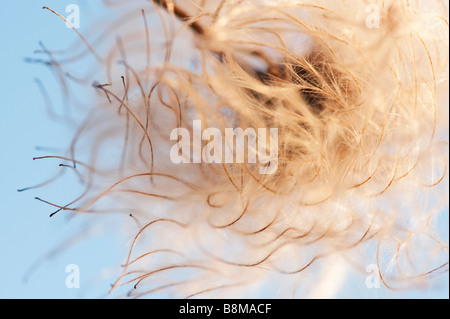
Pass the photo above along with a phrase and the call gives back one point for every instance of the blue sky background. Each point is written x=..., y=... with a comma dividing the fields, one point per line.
x=27, y=234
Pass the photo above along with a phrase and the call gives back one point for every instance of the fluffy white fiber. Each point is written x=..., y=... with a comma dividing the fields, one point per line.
x=358, y=93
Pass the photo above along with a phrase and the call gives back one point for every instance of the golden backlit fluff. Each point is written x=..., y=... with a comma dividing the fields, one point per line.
x=358, y=93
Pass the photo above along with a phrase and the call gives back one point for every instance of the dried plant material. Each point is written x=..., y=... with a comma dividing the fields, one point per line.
x=361, y=111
